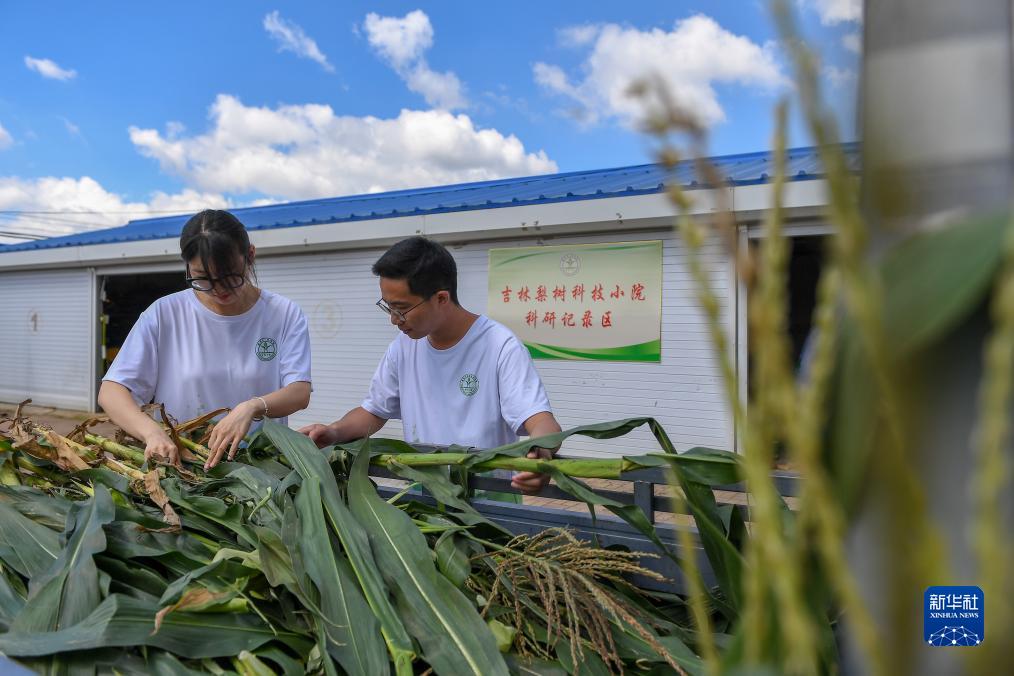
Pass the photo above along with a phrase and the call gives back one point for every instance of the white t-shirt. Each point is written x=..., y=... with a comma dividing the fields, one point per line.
x=193, y=360
x=478, y=392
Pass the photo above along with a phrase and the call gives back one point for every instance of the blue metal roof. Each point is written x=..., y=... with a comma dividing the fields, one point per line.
x=743, y=169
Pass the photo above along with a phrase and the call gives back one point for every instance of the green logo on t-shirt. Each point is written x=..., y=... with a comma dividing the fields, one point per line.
x=468, y=384
x=266, y=349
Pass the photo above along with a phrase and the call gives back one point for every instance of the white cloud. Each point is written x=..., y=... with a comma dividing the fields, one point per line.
x=403, y=42
x=553, y=78
x=189, y=200
x=578, y=36
x=502, y=98
x=691, y=59
x=441, y=90
x=400, y=41
x=836, y=11
x=840, y=77
x=290, y=37
x=5, y=138
x=853, y=42
x=307, y=151
x=174, y=128
x=72, y=128
x=84, y=205
x=49, y=69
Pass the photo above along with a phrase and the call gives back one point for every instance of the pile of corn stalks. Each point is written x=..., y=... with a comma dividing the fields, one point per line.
x=288, y=561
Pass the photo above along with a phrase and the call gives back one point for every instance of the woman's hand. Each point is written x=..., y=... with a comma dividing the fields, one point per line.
x=230, y=430
x=158, y=445
x=117, y=401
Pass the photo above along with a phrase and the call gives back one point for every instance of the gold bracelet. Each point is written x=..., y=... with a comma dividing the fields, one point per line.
x=265, y=414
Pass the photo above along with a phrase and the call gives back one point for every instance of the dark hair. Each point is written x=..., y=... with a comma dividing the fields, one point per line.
x=426, y=265
x=216, y=237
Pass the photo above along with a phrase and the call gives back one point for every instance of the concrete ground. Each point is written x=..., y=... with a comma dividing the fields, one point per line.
x=62, y=421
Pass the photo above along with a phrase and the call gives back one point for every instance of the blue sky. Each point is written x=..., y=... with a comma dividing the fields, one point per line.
x=116, y=110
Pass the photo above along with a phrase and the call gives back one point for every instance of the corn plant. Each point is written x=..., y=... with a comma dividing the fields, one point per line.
x=846, y=423
x=290, y=561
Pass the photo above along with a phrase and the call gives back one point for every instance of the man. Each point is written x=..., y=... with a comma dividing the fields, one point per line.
x=451, y=376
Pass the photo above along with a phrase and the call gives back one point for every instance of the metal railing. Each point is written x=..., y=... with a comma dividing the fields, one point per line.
x=606, y=529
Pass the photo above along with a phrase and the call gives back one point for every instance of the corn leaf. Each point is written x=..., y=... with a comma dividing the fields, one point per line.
x=26, y=546
x=250, y=484
x=604, y=430
x=706, y=466
x=287, y=665
x=194, y=599
x=122, y=621
x=129, y=540
x=436, y=481
x=932, y=282
x=305, y=590
x=589, y=663
x=453, y=558
x=353, y=632
x=11, y=600
x=275, y=561
x=59, y=452
x=309, y=462
x=533, y=666
x=696, y=470
x=212, y=509
x=635, y=648
x=723, y=556
x=69, y=590
x=377, y=446
x=48, y=510
x=248, y=664
x=164, y=664
x=158, y=496
x=106, y=477
x=218, y=575
x=87, y=663
x=453, y=636
x=132, y=578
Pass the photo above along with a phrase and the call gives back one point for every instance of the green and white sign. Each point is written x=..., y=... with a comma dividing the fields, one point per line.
x=587, y=301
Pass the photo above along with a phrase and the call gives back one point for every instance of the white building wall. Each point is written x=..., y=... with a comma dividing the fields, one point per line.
x=348, y=334
x=48, y=324
x=684, y=392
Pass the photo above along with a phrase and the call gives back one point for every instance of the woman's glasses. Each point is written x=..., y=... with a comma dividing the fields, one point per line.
x=231, y=282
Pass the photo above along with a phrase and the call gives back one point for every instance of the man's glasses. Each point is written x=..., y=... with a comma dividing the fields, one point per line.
x=398, y=314
x=231, y=282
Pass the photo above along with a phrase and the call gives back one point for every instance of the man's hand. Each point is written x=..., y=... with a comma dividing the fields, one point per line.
x=355, y=424
x=322, y=435
x=539, y=425
x=531, y=483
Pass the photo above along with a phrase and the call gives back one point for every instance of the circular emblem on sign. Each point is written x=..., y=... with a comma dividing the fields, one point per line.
x=570, y=263
x=266, y=349
x=468, y=384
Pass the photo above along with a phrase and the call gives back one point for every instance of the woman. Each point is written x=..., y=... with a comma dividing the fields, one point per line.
x=223, y=343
